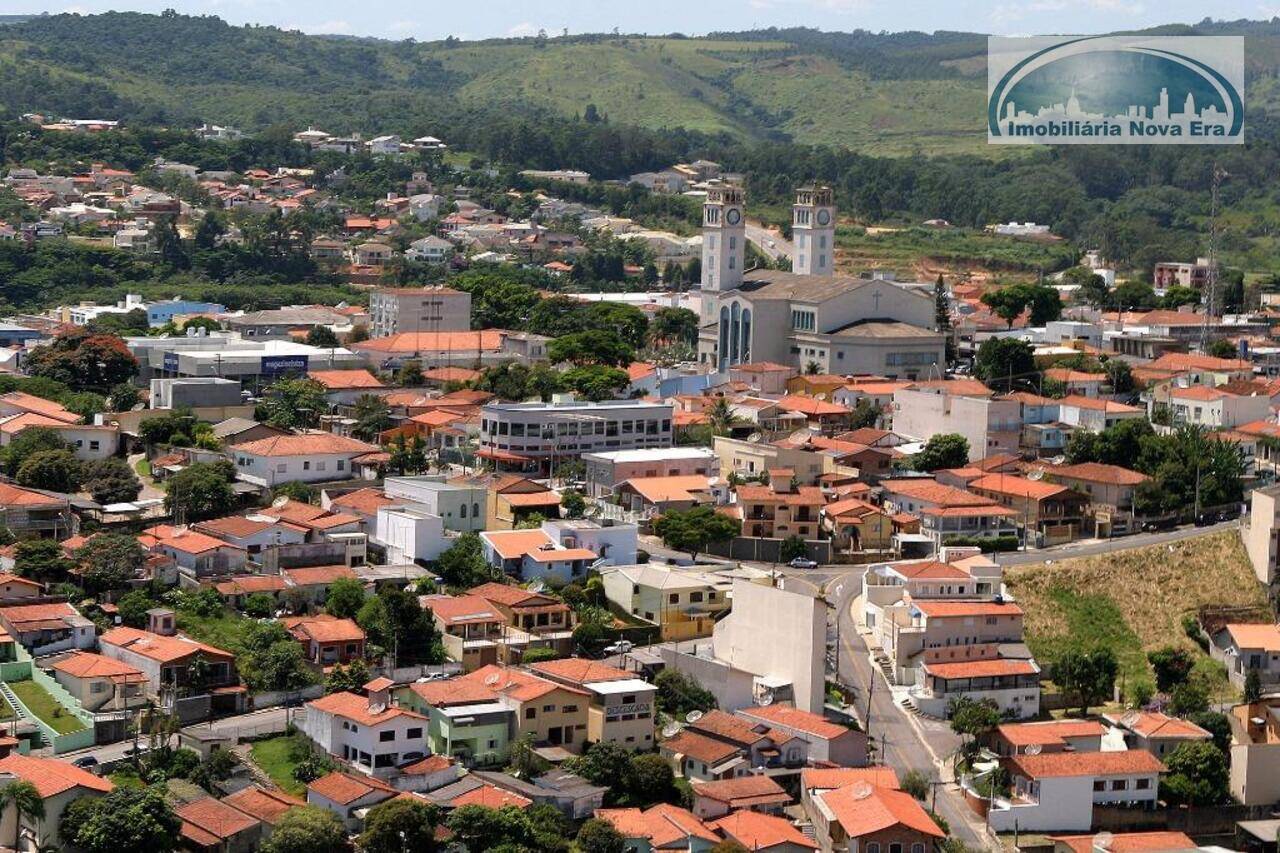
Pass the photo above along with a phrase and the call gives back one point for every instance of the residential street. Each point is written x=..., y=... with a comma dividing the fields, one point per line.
x=769, y=243
x=1090, y=547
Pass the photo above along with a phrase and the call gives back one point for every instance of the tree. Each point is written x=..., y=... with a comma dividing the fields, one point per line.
x=42, y=559
x=694, y=529
x=652, y=780
x=27, y=443
x=109, y=561
x=259, y=605
x=678, y=694
x=865, y=414
x=573, y=504
x=916, y=784
x=126, y=820
x=1216, y=724
x=1087, y=676
x=1222, y=349
x=722, y=417
x=410, y=374
x=971, y=719
x=596, y=381
x=271, y=659
x=322, y=336
x=84, y=361
x=1188, y=698
x=599, y=836
x=110, y=480
x=1007, y=303
x=673, y=325
x=51, y=470
x=124, y=396
x=1198, y=775
x=463, y=565
x=1093, y=287
x=943, y=450
x=1001, y=360
x=482, y=829
x=523, y=761
x=25, y=800
x=294, y=403
x=1172, y=666
x=294, y=490
x=400, y=824
x=133, y=607
x=347, y=679
x=372, y=416
x=1119, y=375
x=307, y=829
x=345, y=598
x=594, y=346
x=792, y=547
x=1252, y=686
x=201, y=490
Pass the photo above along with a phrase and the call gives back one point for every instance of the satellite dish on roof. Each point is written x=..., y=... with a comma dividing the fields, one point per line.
x=1130, y=718
x=377, y=708
x=280, y=501
x=670, y=730
x=765, y=699
x=1032, y=749
x=538, y=586
x=862, y=790
x=693, y=716
x=1037, y=474
x=492, y=679
x=1102, y=841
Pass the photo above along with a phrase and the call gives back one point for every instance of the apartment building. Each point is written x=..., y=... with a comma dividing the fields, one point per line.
x=781, y=509
x=539, y=434
x=989, y=424
x=419, y=309
x=1216, y=407
x=946, y=511
x=606, y=470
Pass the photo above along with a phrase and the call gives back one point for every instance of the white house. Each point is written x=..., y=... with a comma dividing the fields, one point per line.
x=368, y=733
x=410, y=533
x=461, y=507
x=198, y=553
x=532, y=555
x=615, y=545
x=309, y=458
x=430, y=249
x=386, y=146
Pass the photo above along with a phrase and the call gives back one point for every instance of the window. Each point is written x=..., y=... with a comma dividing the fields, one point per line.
x=342, y=464
x=386, y=737
x=895, y=847
x=530, y=713
x=1099, y=785
x=674, y=598
x=1142, y=784
x=873, y=847
x=306, y=464
x=696, y=596
x=917, y=848
x=569, y=709
x=94, y=445
x=548, y=709
x=464, y=510
x=282, y=468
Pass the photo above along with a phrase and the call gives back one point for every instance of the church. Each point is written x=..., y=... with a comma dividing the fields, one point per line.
x=843, y=324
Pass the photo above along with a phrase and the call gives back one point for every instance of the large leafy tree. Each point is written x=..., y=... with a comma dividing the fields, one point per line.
x=593, y=346
x=202, y=490
x=42, y=559
x=1198, y=775
x=596, y=381
x=84, y=361
x=27, y=443
x=599, y=836
x=109, y=561
x=1087, y=676
x=944, y=450
x=294, y=403
x=307, y=829
x=673, y=325
x=480, y=829
x=127, y=820
x=463, y=565
x=345, y=598
x=400, y=824
x=372, y=416
x=1002, y=361
x=53, y=470
x=111, y=480
x=694, y=529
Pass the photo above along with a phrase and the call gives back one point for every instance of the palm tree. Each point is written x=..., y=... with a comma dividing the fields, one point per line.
x=26, y=800
x=721, y=417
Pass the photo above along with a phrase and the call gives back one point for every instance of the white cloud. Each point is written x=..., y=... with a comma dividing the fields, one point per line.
x=522, y=29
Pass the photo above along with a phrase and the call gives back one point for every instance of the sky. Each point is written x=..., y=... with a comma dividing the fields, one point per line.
x=436, y=19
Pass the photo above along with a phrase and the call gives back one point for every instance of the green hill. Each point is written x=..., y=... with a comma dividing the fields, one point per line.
x=895, y=94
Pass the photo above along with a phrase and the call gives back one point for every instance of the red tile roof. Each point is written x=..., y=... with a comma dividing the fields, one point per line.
x=967, y=608
x=981, y=668
x=839, y=777
x=11, y=495
x=663, y=825
x=757, y=831
x=1150, y=724
x=491, y=797
x=882, y=809
x=517, y=684
x=51, y=776
x=461, y=609
x=1049, y=732
x=366, y=501
x=341, y=380
x=488, y=340
x=1052, y=765
x=317, y=575
x=796, y=719
x=356, y=708
x=1097, y=472
x=743, y=791
x=307, y=444
x=699, y=747
x=324, y=628
x=344, y=788
x=266, y=806
x=158, y=647
x=209, y=821
x=89, y=665
x=580, y=671
x=1159, y=841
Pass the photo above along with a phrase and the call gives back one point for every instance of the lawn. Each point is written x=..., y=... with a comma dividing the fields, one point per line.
x=44, y=706
x=223, y=631
x=273, y=755
x=1132, y=601
x=143, y=467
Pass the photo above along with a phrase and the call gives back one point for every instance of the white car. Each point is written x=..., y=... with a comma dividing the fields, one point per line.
x=620, y=648
x=803, y=563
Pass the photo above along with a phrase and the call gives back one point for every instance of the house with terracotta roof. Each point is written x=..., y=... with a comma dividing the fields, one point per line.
x=752, y=793
x=15, y=589
x=856, y=816
x=167, y=661
x=367, y=733
x=28, y=513
x=1110, y=489
x=198, y=555
x=308, y=457
x=622, y=708
x=1047, y=513
x=316, y=580
x=1214, y=407
x=1078, y=381
x=818, y=780
x=541, y=617
x=1156, y=841
x=765, y=376
x=317, y=523
x=661, y=827
x=1096, y=414
x=721, y=746
x=683, y=604
x=325, y=639
x=363, y=503
x=651, y=496
x=1046, y=736
x=59, y=783
x=1156, y=732
x=553, y=713
x=212, y=826
x=511, y=498
x=763, y=832
x=345, y=794
x=101, y=683
x=529, y=555
x=1057, y=791
x=468, y=721
x=945, y=511
x=781, y=509
x=252, y=533
x=470, y=628
x=47, y=628
x=343, y=387
x=956, y=573
x=827, y=741
x=606, y=469
x=238, y=589
x=854, y=524
x=1243, y=647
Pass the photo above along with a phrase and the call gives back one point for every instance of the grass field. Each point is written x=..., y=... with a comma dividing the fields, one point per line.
x=273, y=756
x=222, y=631
x=923, y=253
x=44, y=706
x=1132, y=601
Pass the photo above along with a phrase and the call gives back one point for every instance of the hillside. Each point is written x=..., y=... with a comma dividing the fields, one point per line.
x=1132, y=601
x=895, y=94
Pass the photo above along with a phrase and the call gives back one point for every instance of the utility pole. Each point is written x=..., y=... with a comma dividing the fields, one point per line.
x=871, y=689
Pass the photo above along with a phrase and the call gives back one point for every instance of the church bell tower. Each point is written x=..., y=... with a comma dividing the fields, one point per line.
x=813, y=230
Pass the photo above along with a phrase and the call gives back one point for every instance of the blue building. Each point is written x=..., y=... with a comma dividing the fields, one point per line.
x=159, y=313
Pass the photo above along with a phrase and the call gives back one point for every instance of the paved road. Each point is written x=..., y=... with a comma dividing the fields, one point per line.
x=770, y=243
x=242, y=725
x=1090, y=547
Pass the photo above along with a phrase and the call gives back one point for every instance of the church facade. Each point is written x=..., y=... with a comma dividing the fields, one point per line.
x=812, y=316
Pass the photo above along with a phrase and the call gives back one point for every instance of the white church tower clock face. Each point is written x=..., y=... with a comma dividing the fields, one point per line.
x=813, y=231
x=734, y=216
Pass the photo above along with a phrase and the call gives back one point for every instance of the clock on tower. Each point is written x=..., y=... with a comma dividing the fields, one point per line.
x=813, y=231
